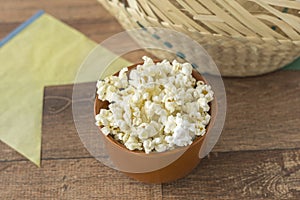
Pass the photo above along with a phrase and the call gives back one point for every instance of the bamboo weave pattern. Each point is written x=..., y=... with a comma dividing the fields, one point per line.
x=244, y=37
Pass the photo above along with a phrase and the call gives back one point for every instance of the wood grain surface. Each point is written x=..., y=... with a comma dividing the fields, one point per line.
x=83, y=178
x=273, y=174
x=257, y=156
x=262, y=112
x=87, y=16
x=237, y=168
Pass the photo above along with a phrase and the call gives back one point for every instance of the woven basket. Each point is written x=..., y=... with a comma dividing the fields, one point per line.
x=244, y=37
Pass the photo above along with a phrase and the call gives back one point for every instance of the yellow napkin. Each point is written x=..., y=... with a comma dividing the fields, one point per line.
x=42, y=52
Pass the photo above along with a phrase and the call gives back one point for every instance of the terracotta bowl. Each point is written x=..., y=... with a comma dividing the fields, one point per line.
x=155, y=167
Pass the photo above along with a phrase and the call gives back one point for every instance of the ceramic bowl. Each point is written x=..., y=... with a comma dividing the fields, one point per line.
x=155, y=167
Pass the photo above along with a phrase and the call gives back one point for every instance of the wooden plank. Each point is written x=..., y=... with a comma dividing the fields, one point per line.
x=59, y=134
x=84, y=178
x=8, y=154
x=256, y=122
x=5, y=29
x=91, y=18
x=18, y=11
x=266, y=124
x=263, y=112
x=257, y=118
x=273, y=174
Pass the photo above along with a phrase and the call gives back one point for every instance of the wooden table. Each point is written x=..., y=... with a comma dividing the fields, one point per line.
x=257, y=156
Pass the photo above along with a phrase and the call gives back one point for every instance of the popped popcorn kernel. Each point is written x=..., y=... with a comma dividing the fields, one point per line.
x=154, y=107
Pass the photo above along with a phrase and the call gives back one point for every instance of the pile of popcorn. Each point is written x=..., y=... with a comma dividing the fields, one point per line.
x=154, y=107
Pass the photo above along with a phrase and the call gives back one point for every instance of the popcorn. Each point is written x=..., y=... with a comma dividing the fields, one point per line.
x=154, y=107
x=105, y=130
x=132, y=144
